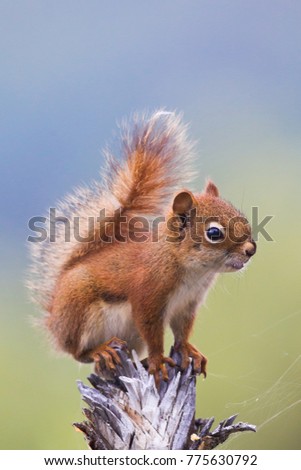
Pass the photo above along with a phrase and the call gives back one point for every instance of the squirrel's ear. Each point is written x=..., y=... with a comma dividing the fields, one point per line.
x=211, y=189
x=182, y=203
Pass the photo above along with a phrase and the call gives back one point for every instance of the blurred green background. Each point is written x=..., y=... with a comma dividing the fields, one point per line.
x=69, y=70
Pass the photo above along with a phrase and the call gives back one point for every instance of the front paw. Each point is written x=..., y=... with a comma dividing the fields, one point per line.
x=199, y=364
x=157, y=367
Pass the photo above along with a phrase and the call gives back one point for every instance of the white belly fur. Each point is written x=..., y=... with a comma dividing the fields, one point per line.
x=190, y=290
x=118, y=321
x=108, y=320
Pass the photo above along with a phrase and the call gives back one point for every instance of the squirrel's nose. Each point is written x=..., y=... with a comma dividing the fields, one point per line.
x=250, y=248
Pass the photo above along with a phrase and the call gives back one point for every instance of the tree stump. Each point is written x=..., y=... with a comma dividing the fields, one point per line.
x=126, y=411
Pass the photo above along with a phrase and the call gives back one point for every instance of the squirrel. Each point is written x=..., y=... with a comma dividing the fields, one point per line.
x=150, y=256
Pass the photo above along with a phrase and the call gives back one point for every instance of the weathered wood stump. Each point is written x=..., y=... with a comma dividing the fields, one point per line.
x=126, y=411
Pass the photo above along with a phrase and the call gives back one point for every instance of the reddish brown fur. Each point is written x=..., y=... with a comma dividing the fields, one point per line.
x=144, y=274
x=151, y=284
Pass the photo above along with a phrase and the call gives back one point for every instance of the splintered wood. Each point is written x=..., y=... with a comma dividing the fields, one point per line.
x=126, y=411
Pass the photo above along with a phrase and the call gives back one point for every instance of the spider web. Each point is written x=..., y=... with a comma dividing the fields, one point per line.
x=283, y=395
x=271, y=399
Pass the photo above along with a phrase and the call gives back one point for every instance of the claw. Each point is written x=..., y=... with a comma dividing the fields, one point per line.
x=199, y=364
x=169, y=361
x=105, y=356
x=157, y=367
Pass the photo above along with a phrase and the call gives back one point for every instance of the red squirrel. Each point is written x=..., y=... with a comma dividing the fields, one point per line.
x=147, y=251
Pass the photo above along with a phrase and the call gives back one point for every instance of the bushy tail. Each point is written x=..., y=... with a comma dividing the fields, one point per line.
x=156, y=161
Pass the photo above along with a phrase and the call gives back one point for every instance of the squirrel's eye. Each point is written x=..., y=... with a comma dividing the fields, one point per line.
x=215, y=233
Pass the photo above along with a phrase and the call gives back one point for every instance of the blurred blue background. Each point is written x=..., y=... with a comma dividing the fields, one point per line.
x=69, y=71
